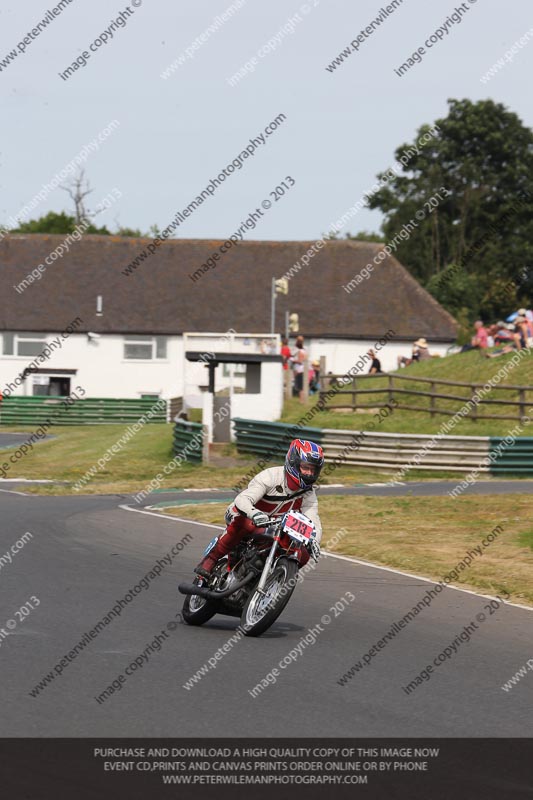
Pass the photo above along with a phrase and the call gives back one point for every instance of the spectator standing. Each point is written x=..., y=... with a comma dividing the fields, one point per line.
x=285, y=352
x=298, y=357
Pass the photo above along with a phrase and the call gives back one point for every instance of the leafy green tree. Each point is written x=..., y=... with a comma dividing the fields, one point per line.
x=125, y=231
x=454, y=289
x=366, y=236
x=56, y=223
x=478, y=167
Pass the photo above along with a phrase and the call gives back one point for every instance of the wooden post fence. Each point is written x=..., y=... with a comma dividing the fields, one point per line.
x=432, y=389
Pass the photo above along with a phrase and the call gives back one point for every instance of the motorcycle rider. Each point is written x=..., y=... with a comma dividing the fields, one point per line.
x=271, y=493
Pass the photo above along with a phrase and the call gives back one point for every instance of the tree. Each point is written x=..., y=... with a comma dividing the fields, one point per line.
x=54, y=222
x=366, y=236
x=125, y=231
x=465, y=198
x=62, y=222
x=78, y=192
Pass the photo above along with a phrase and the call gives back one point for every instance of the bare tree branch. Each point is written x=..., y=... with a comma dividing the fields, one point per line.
x=77, y=193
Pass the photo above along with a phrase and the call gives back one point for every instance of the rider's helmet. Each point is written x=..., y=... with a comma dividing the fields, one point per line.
x=303, y=463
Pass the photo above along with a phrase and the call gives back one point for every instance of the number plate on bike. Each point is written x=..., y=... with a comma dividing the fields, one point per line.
x=298, y=526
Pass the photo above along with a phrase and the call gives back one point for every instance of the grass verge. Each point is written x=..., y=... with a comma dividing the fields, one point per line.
x=428, y=536
x=75, y=449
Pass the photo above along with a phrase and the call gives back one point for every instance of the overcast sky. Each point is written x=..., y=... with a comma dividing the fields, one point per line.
x=341, y=127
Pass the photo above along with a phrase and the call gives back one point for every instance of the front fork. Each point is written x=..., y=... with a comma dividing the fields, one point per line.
x=266, y=569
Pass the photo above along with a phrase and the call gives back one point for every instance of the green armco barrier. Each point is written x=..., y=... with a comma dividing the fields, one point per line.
x=270, y=438
x=488, y=455
x=34, y=410
x=189, y=441
x=511, y=456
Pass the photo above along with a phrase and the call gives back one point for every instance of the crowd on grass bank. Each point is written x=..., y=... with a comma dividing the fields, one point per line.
x=491, y=340
x=514, y=334
x=500, y=338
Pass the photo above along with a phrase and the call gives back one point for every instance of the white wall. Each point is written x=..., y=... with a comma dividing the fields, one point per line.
x=268, y=404
x=102, y=370
x=342, y=354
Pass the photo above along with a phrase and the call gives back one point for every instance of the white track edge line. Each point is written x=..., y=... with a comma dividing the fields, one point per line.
x=341, y=558
x=168, y=516
x=420, y=578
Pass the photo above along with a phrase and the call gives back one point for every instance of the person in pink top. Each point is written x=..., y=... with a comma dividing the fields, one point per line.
x=479, y=340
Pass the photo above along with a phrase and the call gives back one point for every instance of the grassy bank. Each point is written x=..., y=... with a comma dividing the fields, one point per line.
x=428, y=536
x=471, y=367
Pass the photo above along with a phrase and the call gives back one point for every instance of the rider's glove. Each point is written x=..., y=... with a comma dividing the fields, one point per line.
x=314, y=549
x=260, y=519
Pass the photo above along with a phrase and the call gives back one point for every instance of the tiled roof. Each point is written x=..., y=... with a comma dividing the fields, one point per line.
x=160, y=297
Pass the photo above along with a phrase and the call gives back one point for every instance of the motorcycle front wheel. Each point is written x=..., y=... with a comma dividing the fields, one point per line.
x=262, y=610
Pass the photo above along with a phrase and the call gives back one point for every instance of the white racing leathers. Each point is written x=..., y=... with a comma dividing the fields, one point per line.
x=268, y=492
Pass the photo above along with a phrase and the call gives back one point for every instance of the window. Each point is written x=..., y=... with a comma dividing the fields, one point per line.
x=138, y=347
x=30, y=344
x=9, y=344
x=160, y=346
x=238, y=372
x=145, y=347
x=51, y=385
x=41, y=384
x=23, y=344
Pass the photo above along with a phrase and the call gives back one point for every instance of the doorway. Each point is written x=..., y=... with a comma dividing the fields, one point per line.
x=59, y=387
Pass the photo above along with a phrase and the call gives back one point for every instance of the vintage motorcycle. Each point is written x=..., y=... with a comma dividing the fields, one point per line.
x=256, y=580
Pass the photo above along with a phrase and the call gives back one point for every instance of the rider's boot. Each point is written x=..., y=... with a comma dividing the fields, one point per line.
x=225, y=545
x=229, y=539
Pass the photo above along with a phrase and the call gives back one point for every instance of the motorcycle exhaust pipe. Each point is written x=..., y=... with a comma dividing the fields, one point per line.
x=189, y=588
x=210, y=594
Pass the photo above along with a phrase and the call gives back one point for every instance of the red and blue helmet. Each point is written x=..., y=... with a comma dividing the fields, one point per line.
x=303, y=463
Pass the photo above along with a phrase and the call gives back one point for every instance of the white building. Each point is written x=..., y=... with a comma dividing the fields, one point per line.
x=84, y=319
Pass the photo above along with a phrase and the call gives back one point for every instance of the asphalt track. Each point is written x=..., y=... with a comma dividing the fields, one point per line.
x=8, y=440
x=89, y=551
x=411, y=489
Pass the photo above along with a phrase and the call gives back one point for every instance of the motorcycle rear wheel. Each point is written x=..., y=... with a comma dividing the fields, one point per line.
x=261, y=611
x=197, y=610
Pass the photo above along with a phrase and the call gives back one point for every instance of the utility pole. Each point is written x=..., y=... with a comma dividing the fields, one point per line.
x=273, y=307
x=279, y=286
